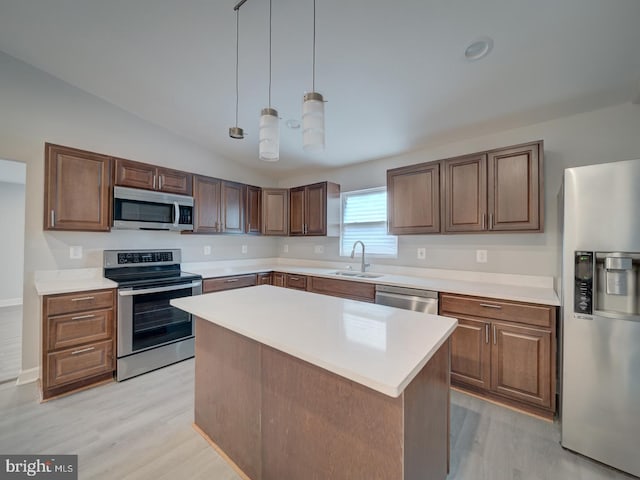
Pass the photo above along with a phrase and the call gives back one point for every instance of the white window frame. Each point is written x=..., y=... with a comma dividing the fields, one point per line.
x=347, y=252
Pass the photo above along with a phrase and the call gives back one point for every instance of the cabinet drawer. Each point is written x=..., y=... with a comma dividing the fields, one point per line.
x=296, y=281
x=78, y=302
x=343, y=288
x=70, y=330
x=228, y=283
x=530, y=314
x=79, y=363
x=265, y=278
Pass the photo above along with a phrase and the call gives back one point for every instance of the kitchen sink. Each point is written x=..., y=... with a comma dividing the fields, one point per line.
x=342, y=273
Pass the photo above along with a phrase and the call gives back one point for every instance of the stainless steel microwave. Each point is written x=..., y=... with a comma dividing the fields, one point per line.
x=138, y=209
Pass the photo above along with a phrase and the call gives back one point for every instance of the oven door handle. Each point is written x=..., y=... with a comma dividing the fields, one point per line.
x=129, y=293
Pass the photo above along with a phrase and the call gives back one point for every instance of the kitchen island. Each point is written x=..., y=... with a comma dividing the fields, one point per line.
x=291, y=385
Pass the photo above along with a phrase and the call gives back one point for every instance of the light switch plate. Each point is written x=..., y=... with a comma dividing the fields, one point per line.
x=207, y=249
x=75, y=252
x=422, y=253
x=481, y=256
x=285, y=249
x=318, y=249
x=244, y=249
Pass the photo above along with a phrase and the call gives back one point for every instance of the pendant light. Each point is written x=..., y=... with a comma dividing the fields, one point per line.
x=237, y=132
x=269, y=146
x=313, y=108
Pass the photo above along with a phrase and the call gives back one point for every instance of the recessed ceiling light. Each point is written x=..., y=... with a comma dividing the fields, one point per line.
x=478, y=49
x=292, y=123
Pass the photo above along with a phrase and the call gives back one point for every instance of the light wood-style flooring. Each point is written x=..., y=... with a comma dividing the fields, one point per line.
x=141, y=429
x=10, y=342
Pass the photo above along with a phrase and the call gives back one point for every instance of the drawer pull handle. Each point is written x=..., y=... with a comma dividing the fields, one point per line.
x=82, y=350
x=488, y=305
x=80, y=299
x=295, y=279
x=231, y=280
x=80, y=317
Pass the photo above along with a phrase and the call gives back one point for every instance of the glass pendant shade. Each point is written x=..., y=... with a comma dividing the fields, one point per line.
x=313, y=122
x=269, y=146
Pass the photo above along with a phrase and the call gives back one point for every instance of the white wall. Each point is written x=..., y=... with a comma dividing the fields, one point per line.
x=38, y=108
x=605, y=135
x=11, y=240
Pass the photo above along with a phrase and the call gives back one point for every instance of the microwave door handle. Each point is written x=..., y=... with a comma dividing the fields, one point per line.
x=176, y=214
x=181, y=286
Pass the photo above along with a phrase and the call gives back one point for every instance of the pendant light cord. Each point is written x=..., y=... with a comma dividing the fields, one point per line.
x=270, y=28
x=237, y=59
x=313, y=77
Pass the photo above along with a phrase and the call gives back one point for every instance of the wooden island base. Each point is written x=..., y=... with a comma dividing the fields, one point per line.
x=277, y=417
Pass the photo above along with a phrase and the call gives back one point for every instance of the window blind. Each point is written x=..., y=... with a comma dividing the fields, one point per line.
x=364, y=217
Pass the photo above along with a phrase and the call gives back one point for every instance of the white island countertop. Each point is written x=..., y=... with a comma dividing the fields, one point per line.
x=380, y=347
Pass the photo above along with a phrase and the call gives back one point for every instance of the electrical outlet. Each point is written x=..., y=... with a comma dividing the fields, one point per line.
x=285, y=249
x=318, y=249
x=75, y=252
x=207, y=249
x=422, y=253
x=481, y=256
x=244, y=249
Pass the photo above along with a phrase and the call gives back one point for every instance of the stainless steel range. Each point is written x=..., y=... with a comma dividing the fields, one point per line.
x=151, y=333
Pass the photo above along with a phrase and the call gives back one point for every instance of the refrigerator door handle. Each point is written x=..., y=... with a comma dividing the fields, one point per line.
x=617, y=316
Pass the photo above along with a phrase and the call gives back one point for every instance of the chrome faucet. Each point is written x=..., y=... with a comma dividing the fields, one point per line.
x=363, y=266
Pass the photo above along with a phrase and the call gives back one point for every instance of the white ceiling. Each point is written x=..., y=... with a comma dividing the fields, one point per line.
x=393, y=72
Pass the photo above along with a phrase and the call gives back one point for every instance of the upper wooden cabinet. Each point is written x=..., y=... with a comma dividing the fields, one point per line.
x=314, y=210
x=253, y=210
x=77, y=190
x=465, y=193
x=218, y=205
x=495, y=191
x=515, y=193
x=150, y=177
x=499, y=190
x=413, y=199
x=275, y=211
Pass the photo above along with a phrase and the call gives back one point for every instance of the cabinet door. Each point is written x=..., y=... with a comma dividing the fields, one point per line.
x=413, y=199
x=77, y=190
x=253, y=210
x=278, y=279
x=514, y=188
x=174, y=181
x=206, y=210
x=135, y=174
x=471, y=352
x=298, y=282
x=315, y=209
x=521, y=363
x=465, y=193
x=275, y=211
x=296, y=211
x=232, y=208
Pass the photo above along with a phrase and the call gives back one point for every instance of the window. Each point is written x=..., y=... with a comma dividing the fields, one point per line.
x=364, y=217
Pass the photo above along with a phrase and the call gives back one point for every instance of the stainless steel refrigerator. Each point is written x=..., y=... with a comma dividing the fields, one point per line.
x=600, y=396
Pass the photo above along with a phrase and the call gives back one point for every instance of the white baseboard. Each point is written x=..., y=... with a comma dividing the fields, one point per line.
x=28, y=376
x=10, y=302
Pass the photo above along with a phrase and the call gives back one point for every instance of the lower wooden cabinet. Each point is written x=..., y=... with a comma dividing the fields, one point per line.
x=365, y=292
x=504, y=350
x=264, y=278
x=298, y=282
x=78, y=341
x=228, y=283
x=277, y=279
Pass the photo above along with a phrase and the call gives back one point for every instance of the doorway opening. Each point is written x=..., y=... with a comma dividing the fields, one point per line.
x=12, y=212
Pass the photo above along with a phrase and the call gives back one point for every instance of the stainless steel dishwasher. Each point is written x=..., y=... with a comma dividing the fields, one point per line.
x=415, y=299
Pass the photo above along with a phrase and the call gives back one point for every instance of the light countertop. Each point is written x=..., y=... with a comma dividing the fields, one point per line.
x=380, y=347
x=504, y=287
x=50, y=282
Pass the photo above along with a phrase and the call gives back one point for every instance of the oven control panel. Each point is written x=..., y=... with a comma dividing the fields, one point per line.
x=125, y=258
